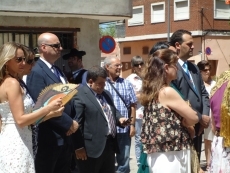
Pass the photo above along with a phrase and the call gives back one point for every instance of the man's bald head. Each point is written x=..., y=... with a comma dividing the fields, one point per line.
x=45, y=38
x=49, y=47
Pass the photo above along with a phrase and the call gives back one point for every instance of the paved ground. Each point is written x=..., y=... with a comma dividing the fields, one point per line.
x=133, y=163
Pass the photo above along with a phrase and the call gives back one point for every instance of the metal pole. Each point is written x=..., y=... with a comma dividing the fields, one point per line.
x=202, y=34
x=168, y=20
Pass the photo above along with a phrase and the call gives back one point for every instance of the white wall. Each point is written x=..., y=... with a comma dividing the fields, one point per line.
x=122, y=8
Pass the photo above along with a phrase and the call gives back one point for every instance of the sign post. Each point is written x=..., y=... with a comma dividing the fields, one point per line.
x=107, y=44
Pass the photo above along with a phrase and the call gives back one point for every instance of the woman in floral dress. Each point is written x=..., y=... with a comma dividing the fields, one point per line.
x=167, y=116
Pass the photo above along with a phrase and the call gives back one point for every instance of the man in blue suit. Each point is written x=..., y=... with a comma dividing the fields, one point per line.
x=54, y=145
x=190, y=84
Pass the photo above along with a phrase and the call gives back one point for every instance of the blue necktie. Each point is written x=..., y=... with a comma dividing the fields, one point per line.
x=56, y=72
x=185, y=67
x=108, y=113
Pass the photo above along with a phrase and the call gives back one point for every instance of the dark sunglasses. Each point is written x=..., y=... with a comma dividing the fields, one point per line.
x=20, y=59
x=31, y=61
x=206, y=70
x=36, y=58
x=137, y=65
x=57, y=46
x=28, y=61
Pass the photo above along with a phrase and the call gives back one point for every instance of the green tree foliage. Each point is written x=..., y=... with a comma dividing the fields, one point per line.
x=109, y=29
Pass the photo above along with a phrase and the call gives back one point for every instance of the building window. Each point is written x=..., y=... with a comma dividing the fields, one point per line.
x=30, y=39
x=145, y=50
x=126, y=50
x=221, y=9
x=181, y=9
x=138, y=16
x=5, y=37
x=158, y=12
x=66, y=40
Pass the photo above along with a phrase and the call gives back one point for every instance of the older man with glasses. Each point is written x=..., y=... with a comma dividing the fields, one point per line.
x=125, y=102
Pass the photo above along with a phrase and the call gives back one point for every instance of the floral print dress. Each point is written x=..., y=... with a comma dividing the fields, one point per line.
x=162, y=130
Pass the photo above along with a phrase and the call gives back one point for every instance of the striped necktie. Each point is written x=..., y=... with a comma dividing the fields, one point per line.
x=108, y=113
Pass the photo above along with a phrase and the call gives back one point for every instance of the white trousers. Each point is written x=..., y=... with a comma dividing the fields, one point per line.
x=170, y=162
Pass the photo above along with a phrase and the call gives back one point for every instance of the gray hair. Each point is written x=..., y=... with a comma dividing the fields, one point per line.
x=107, y=60
x=136, y=60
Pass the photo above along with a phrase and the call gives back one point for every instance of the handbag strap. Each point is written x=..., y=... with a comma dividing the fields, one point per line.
x=118, y=94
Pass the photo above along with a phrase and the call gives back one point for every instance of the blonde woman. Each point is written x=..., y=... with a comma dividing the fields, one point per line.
x=16, y=112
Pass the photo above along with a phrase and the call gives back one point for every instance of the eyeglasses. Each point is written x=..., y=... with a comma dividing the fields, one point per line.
x=137, y=65
x=20, y=59
x=36, y=58
x=118, y=65
x=31, y=61
x=57, y=46
x=205, y=70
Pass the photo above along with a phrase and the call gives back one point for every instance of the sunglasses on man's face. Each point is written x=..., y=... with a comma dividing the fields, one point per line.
x=57, y=46
x=137, y=65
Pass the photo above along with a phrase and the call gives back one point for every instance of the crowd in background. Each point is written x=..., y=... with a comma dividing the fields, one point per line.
x=166, y=104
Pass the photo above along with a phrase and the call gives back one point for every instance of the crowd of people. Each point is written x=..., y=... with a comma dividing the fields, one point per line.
x=166, y=104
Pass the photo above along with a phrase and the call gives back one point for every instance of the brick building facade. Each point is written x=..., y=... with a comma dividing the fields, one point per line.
x=208, y=20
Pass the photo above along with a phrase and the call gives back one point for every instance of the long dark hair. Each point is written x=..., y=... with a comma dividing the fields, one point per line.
x=154, y=75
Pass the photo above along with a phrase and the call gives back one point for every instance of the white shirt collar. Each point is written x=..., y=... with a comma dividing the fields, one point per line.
x=46, y=62
x=181, y=62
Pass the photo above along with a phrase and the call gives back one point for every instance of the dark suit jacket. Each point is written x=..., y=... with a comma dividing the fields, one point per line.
x=198, y=98
x=79, y=79
x=93, y=124
x=53, y=131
